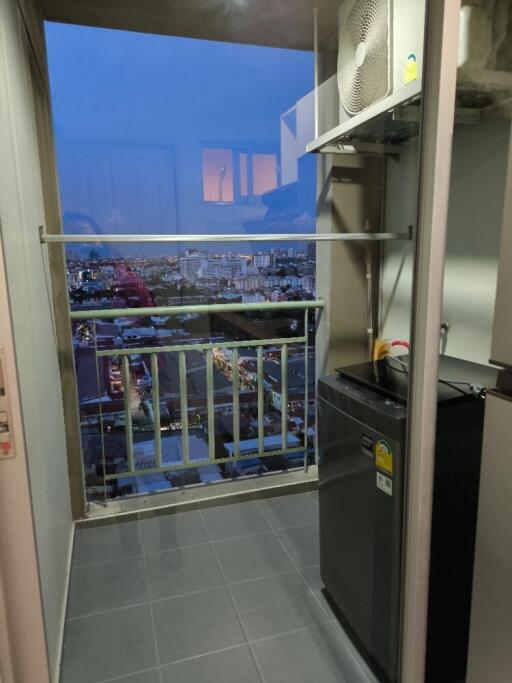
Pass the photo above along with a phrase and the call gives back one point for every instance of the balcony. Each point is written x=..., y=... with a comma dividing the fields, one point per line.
x=199, y=559
x=164, y=415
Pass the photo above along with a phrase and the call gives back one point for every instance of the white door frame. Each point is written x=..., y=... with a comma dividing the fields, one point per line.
x=439, y=86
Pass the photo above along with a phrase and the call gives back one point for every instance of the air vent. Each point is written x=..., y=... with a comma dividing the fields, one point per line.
x=364, y=74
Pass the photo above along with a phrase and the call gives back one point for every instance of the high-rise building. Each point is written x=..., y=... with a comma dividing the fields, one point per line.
x=261, y=260
x=190, y=267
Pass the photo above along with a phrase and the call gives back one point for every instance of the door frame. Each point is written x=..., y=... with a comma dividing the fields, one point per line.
x=439, y=87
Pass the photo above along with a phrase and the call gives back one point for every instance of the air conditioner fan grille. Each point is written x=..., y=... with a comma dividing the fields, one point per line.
x=363, y=57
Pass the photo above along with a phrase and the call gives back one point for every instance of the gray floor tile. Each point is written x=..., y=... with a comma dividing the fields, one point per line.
x=277, y=604
x=291, y=510
x=252, y=557
x=106, y=586
x=314, y=655
x=239, y=519
x=302, y=543
x=106, y=542
x=184, y=570
x=107, y=645
x=143, y=677
x=231, y=666
x=314, y=581
x=196, y=624
x=172, y=530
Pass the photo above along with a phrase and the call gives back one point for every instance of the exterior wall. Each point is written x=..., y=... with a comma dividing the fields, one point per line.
x=474, y=224
x=21, y=212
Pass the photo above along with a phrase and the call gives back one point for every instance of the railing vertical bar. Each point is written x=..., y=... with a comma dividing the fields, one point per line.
x=127, y=412
x=236, y=403
x=260, y=400
x=284, y=396
x=185, y=451
x=306, y=387
x=155, y=383
x=211, y=409
x=100, y=402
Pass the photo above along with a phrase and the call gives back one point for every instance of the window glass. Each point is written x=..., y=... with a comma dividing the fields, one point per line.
x=184, y=137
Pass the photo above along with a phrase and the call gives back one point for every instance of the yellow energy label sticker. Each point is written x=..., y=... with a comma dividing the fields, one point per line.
x=384, y=456
x=410, y=69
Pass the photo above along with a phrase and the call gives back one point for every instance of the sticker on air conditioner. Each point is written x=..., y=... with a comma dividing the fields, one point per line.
x=410, y=69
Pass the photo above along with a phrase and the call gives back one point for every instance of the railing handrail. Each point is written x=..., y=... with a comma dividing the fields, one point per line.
x=206, y=346
x=111, y=313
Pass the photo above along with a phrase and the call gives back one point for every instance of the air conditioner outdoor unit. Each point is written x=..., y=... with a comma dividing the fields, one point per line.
x=380, y=56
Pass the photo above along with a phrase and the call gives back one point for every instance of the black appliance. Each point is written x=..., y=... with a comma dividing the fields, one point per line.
x=362, y=460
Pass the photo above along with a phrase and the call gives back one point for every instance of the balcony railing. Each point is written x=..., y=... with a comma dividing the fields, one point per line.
x=159, y=460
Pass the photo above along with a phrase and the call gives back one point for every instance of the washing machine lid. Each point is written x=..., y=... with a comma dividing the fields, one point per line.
x=390, y=376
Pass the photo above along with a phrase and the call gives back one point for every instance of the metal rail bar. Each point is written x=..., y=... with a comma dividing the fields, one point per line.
x=249, y=343
x=281, y=237
x=205, y=461
x=236, y=403
x=102, y=432
x=306, y=388
x=185, y=446
x=127, y=410
x=211, y=409
x=259, y=381
x=155, y=383
x=200, y=308
x=284, y=395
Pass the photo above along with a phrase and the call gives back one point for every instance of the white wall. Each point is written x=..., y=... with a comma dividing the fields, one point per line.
x=474, y=224
x=21, y=212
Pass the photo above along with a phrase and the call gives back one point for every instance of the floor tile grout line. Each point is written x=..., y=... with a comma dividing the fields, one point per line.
x=225, y=649
x=192, y=545
x=151, y=611
x=115, y=559
x=181, y=595
x=297, y=568
x=108, y=611
x=233, y=602
x=124, y=676
x=246, y=644
x=203, y=654
x=189, y=593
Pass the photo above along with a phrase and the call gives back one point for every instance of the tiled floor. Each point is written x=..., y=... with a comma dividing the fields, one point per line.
x=229, y=593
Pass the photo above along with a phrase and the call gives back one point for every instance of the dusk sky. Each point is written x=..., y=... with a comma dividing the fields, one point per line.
x=134, y=114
